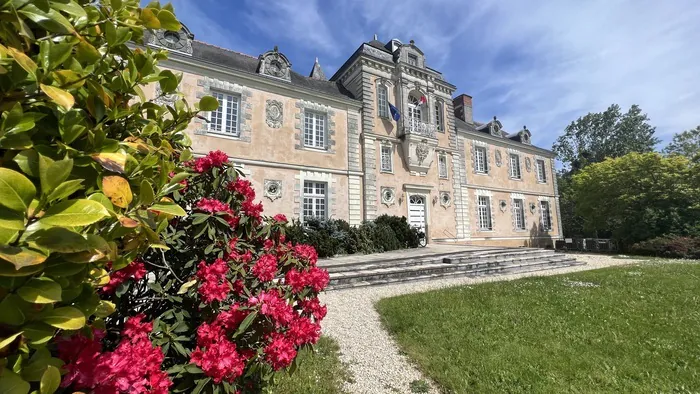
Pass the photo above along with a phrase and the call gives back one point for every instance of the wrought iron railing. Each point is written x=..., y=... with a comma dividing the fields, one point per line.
x=413, y=126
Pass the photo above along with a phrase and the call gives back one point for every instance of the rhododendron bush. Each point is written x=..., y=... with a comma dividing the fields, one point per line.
x=231, y=301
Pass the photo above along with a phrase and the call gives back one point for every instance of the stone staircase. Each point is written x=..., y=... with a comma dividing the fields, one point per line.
x=484, y=262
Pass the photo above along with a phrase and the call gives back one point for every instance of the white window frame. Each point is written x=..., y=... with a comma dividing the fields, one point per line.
x=480, y=164
x=514, y=164
x=519, y=214
x=382, y=101
x=439, y=118
x=484, y=213
x=413, y=60
x=541, y=175
x=545, y=213
x=218, y=121
x=315, y=130
x=312, y=197
x=443, y=168
x=386, y=160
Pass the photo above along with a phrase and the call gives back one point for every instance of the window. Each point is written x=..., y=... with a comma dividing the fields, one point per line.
x=484, y=211
x=541, y=172
x=480, y=164
x=413, y=60
x=545, y=216
x=225, y=118
x=438, y=116
x=382, y=101
x=314, y=200
x=442, y=165
x=414, y=113
x=514, y=166
x=314, y=130
x=519, y=214
x=386, y=164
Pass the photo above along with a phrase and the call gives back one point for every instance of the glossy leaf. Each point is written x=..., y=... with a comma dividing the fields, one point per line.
x=208, y=103
x=10, y=311
x=11, y=220
x=38, y=332
x=50, y=380
x=11, y=383
x=118, y=191
x=73, y=213
x=28, y=161
x=66, y=318
x=105, y=308
x=169, y=208
x=65, y=189
x=41, y=290
x=53, y=173
x=16, y=191
x=168, y=21
x=114, y=162
x=21, y=257
x=63, y=240
x=60, y=96
x=23, y=60
x=4, y=342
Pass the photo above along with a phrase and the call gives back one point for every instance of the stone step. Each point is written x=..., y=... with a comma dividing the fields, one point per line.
x=484, y=271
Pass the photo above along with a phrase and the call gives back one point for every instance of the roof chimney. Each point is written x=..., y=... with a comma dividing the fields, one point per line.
x=463, y=107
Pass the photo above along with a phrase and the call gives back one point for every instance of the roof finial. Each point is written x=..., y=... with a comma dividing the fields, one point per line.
x=317, y=72
x=412, y=42
x=375, y=37
x=316, y=61
x=275, y=49
x=524, y=127
x=494, y=117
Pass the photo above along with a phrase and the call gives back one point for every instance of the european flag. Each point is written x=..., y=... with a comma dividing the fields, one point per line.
x=394, y=112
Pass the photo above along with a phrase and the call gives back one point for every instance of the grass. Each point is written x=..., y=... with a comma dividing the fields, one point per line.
x=319, y=372
x=633, y=328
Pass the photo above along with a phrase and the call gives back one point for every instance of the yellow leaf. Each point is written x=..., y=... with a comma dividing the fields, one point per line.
x=137, y=143
x=114, y=162
x=23, y=60
x=60, y=96
x=68, y=79
x=118, y=191
x=99, y=276
x=149, y=19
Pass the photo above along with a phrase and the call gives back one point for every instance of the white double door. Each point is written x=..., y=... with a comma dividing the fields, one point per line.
x=416, y=211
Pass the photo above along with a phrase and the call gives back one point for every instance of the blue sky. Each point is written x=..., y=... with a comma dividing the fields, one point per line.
x=535, y=63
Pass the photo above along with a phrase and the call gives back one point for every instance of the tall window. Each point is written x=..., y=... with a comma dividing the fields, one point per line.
x=414, y=113
x=314, y=130
x=480, y=159
x=386, y=160
x=514, y=166
x=225, y=118
x=438, y=116
x=382, y=101
x=442, y=165
x=541, y=172
x=315, y=200
x=519, y=214
x=484, y=211
x=546, y=217
x=412, y=60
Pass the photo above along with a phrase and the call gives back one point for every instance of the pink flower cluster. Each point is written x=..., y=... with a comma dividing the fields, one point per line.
x=213, y=159
x=314, y=277
x=133, y=367
x=213, y=283
x=306, y=253
x=213, y=205
x=265, y=269
x=135, y=270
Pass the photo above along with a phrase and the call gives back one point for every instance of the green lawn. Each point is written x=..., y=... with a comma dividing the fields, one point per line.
x=628, y=329
x=319, y=372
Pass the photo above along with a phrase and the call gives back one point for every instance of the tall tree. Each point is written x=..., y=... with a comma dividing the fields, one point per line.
x=685, y=144
x=595, y=136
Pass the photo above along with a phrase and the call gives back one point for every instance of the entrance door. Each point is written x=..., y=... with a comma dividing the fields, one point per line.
x=416, y=211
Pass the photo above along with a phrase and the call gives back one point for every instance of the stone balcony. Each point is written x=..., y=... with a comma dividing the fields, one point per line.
x=416, y=127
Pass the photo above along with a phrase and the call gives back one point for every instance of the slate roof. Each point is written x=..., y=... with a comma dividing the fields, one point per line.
x=246, y=63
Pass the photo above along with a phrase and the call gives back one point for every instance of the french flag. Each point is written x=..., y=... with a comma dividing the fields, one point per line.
x=423, y=100
x=394, y=113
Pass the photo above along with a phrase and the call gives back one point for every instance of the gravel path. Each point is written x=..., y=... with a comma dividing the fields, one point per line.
x=372, y=355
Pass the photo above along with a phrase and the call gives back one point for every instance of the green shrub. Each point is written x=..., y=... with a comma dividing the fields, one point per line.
x=669, y=246
x=384, y=238
x=407, y=236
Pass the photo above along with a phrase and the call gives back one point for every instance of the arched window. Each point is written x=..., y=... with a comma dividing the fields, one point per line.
x=414, y=109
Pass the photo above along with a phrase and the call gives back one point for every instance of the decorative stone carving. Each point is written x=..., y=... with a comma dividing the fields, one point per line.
x=273, y=189
x=503, y=205
x=495, y=127
x=533, y=207
x=165, y=99
x=180, y=41
x=273, y=114
x=275, y=64
x=499, y=158
x=422, y=151
x=388, y=196
x=528, y=164
x=445, y=199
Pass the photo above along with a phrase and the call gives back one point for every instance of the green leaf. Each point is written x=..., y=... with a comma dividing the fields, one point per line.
x=7, y=341
x=168, y=21
x=10, y=311
x=50, y=20
x=9, y=269
x=53, y=173
x=146, y=196
x=245, y=323
x=102, y=199
x=50, y=380
x=38, y=332
x=71, y=213
x=65, y=189
x=23, y=60
x=21, y=257
x=60, y=96
x=11, y=383
x=208, y=103
x=16, y=191
x=105, y=308
x=149, y=19
x=186, y=285
x=28, y=161
x=65, y=318
x=41, y=290
x=8, y=236
x=169, y=208
x=11, y=220
x=169, y=82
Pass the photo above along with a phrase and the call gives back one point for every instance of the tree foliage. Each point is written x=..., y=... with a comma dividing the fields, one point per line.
x=639, y=196
x=84, y=175
x=686, y=144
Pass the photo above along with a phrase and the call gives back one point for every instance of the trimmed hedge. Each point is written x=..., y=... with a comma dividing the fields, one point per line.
x=669, y=246
x=335, y=236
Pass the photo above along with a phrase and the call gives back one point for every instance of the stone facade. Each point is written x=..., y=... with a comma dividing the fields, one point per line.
x=307, y=138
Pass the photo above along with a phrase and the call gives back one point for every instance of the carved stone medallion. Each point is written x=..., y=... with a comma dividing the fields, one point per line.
x=175, y=40
x=445, y=199
x=273, y=189
x=499, y=158
x=422, y=151
x=503, y=205
x=273, y=114
x=528, y=164
x=388, y=196
x=533, y=207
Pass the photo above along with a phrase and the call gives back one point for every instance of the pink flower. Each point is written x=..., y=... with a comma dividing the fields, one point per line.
x=213, y=205
x=296, y=280
x=302, y=331
x=313, y=307
x=280, y=352
x=243, y=187
x=213, y=283
x=219, y=360
x=274, y=306
x=318, y=278
x=135, y=270
x=306, y=253
x=265, y=268
x=213, y=159
x=252, y=210
x=280, y=218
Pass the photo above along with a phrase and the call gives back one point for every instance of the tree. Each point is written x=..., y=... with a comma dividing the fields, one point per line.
x=638, y=196
x=686, y=144
x=596, y=136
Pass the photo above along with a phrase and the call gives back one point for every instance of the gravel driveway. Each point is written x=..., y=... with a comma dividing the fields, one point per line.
x=372, y=355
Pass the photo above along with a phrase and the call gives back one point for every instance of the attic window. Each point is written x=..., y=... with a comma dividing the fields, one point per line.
x=413, y=60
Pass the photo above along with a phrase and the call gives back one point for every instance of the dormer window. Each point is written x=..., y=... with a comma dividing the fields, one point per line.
x=412, y=59
x=171, y=37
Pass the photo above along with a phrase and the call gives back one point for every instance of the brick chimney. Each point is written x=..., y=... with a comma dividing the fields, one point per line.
x=463, y=107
